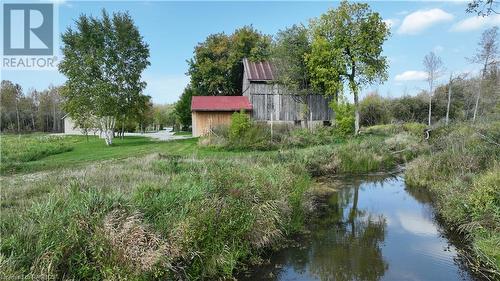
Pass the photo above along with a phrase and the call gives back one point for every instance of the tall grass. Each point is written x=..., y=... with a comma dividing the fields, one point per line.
x=15, y=150
x=150, y=218
x=463, y=173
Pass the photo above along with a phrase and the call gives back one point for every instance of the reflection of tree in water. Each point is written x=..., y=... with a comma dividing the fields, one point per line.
x=346, y=244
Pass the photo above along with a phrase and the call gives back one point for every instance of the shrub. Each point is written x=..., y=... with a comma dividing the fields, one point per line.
x=462, y=174
x=344, y=118
x=374, y=110
x=240, y=123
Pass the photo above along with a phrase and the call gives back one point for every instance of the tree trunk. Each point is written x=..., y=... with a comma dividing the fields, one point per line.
x=430, y=108
x=108, y=126
x=17, y=117
x=477, y=100
x=33, y=121
x=449, y=101
x=356, y=111
x=54, y=125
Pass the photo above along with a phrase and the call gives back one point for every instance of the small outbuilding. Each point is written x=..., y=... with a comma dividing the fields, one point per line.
x=208, y=112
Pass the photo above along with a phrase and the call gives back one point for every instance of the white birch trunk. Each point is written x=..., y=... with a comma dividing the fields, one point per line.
x=107, y=129
x=449, y=100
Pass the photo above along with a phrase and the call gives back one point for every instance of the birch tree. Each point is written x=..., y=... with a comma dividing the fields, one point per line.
x=103, y=61
x=487, y=56
x=433, y=66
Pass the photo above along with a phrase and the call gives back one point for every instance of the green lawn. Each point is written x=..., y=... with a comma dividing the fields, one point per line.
x=183, y=133
x=42, y=152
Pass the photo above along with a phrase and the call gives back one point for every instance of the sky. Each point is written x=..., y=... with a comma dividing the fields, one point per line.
x=173, y=29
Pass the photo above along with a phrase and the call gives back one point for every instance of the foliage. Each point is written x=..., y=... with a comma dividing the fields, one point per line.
x=258, y=136
x=183, y=107
x=434, y=69
x=217, y=67
x=347, y=47
x=31, y=111
x=103, y=61
x=288, y=52
x=240, y=123
x=462, y=172
x=344, y=117
x=374, y=110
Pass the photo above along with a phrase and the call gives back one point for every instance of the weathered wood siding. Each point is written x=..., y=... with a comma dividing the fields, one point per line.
x=272, y=103
x=204, y=121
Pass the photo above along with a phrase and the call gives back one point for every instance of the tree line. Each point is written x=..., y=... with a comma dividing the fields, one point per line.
x=32, y=111
x=43, y=111
x=337, y=53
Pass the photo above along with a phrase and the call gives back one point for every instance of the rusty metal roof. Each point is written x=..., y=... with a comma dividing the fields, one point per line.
x=258, y=71
x=220, y=103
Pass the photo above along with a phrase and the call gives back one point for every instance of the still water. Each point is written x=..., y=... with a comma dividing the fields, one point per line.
x=372, y=228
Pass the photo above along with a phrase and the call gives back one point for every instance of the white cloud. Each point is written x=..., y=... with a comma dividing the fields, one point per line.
x=438, y=49
x=165, y=88
x=420, y=20
x=476, y=22
x=391, y=23
x=411, y=75
x=417, y=225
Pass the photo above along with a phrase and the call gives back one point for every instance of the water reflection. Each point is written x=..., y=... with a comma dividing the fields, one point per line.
x=372, y=229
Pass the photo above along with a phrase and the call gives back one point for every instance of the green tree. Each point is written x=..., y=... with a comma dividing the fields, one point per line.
x=288, y=54
x=217, y=65
x=183, y=107
x=373, y=110
x=103, y=61
x=10, y=94
x=290, y=46
x=347, y=49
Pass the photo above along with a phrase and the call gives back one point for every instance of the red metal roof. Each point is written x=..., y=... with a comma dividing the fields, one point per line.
x=220, y=103
x=258, y=71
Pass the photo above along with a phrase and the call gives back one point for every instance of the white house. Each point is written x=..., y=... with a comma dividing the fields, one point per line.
x=70, y=128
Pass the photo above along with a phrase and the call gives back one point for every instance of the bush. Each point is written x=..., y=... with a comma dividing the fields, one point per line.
x=344, y=118
x=240, y=123
x=463, y=174
x=374, y=110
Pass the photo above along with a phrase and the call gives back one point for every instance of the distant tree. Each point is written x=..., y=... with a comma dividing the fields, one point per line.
x=10, y=94
x=434, y=68
x=103, y=61
x=483, y=7
x=347, y=47
x=217, y=65
x=487, y=56
x=373, y=110
x=183, y=107
x=288, y=52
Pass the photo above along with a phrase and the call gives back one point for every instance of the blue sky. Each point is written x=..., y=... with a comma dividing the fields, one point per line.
x=172, y=29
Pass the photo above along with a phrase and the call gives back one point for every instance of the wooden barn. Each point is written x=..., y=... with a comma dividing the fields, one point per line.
x=208, y=112
x=273, y=103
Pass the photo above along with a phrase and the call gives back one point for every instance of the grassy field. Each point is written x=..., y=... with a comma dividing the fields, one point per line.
x=178, y=212
x=36, y=152
x=145, y=209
